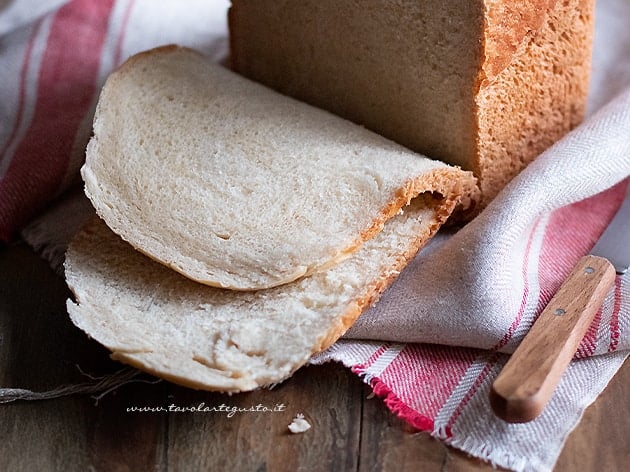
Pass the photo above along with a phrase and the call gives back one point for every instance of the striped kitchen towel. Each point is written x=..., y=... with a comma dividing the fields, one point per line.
x=482, y=291
x=445, y=328
x=53, y=66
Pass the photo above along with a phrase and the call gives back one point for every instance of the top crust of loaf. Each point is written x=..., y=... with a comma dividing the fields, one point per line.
x=508, y=24
x=237, y=186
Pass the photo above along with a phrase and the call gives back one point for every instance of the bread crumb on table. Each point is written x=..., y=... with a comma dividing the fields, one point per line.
x=299, y=424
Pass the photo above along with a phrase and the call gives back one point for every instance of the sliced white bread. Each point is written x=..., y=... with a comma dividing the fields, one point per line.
x=236, y=186
x=210, y=338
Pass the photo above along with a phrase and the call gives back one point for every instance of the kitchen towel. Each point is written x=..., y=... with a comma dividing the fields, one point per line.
x=433, y=344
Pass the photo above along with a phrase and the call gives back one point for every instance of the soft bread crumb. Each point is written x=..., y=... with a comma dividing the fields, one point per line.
x=234, y=185
x=211, y=338
x=215, y=339
x=299, y=424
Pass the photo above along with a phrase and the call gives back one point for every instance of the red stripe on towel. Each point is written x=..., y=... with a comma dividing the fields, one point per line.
x=571, y=233
x=517, y=320
x=400, y=408
x=493, y=357
x=425, y=377
x=67, y=84
x=28, y=55
x=478, y=382
x=614, y=319
x=361, y=368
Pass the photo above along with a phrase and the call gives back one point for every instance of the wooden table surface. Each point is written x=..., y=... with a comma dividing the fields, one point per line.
x=40, y=349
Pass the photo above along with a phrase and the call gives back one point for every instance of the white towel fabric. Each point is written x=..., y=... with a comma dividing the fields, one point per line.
x=468, y=291
x=433, y=344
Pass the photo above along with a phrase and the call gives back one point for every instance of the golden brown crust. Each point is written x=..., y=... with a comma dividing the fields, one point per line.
x=374, y=291
x=537, y=98
x=443, y=181
x=508, y=24
x=142, y=55
x=443, y=208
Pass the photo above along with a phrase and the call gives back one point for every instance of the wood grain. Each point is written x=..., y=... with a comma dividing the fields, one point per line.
x=351, y=431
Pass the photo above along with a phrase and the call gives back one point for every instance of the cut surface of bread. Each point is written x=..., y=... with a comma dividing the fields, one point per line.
x=235, y=185
x=484, y=84
x=210, y=338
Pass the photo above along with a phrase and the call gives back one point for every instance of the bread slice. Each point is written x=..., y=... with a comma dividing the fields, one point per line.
x=216, y=339
x=486, y=85
x=235, y=185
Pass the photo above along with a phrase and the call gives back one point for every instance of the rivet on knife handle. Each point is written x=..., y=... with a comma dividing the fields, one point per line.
x=529, y=378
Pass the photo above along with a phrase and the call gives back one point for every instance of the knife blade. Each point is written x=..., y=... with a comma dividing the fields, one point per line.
x=531, y=375
x=613, y=244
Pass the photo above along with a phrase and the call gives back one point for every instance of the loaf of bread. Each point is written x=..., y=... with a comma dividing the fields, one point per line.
x=486, y=85
x=198, y=167
x=235, y=185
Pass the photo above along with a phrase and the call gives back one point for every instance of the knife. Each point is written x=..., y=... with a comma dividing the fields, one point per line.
x=529, y=378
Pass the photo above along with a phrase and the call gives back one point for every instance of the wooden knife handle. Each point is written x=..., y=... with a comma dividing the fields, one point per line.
x=526, y=383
